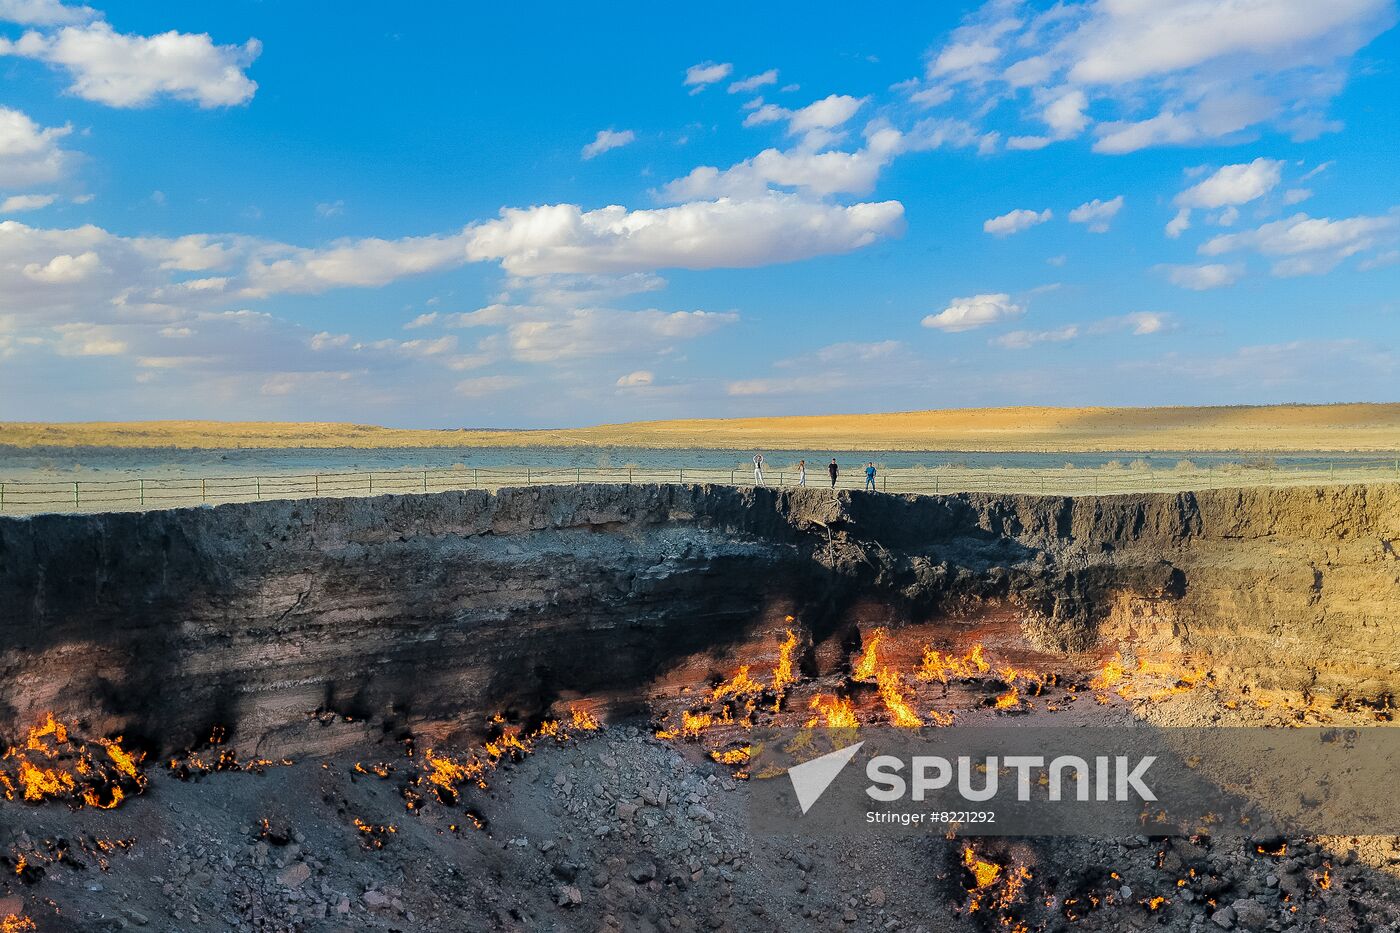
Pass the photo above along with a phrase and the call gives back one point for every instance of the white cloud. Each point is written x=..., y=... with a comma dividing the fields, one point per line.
x=1138, y=323
x=641, y=377
x=83, y=339
x=608, y=139
x=330, y=209
x=819, y=173
x=1233, y=185
x=44, y=13
x=543, y=334
x=1202, y=278
x=698, y=77
x=754, y=82
x=1146, y=322
x=1180, y=223
x=974, y=311
x=726, y=233
x=29, y=153
x=1015, y=221
x=131, y=71
x=1296, y=195
x=361, y=263
x=825, y=114
x=1097, y=214
x=1025, y=339
x=26, y=202
x=64, y=269
x=1128, y=41
x=1170, y=73
x=1306, y=245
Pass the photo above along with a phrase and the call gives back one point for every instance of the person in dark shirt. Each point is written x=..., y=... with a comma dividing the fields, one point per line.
x=833, y=470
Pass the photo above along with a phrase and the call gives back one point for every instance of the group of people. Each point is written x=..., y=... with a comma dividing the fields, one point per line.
x=832, y=470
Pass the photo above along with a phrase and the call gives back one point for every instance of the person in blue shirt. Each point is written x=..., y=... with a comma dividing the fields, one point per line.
x=870, y=476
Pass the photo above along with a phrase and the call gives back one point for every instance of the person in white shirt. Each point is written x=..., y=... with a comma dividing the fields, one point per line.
x=802, y=472
x=758, y=469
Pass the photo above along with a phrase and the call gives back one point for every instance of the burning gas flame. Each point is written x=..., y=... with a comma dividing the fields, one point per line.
x=833, y=712
x=891, y=686
x=943, y=667
x=51, y=765
x=864, y=669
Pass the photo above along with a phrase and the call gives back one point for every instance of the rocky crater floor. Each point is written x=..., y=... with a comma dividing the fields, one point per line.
x=530, y=710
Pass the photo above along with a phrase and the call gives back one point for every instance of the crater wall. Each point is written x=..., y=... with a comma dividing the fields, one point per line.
x=431, y=612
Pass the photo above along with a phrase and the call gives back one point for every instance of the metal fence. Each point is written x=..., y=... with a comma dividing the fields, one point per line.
x=139, y=493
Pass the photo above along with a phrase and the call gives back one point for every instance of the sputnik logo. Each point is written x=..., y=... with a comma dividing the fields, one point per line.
x=811, y=778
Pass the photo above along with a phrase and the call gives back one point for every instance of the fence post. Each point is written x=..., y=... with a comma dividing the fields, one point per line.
x=527, y=476
x=143, y=493
x=731, y=477
x=2, y=497
x=257, y=483
x=682, y=475
x=75, y=495
x=629, y=476
x=203, y=492
x=425, y=481
x=884, y=482
x=371, y=482
x=318, y=485
x=578, y=474
x=473, y=476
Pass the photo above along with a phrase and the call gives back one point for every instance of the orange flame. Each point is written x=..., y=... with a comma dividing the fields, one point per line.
x=865, y=667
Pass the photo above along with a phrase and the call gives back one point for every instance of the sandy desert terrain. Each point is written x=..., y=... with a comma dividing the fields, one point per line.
x=1349, y=427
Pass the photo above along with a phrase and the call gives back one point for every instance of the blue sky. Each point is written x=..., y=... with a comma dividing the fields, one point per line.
x=453, y=215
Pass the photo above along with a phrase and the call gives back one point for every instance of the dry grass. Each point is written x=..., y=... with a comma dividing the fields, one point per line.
x=1358, y=427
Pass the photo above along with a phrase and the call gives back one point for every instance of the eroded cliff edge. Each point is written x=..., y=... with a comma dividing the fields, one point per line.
x=432, y=612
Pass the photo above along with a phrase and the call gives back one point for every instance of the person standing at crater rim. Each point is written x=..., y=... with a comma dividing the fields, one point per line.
x=833, y=469
x=870, y=476
x=802, y=472
x=758, y=469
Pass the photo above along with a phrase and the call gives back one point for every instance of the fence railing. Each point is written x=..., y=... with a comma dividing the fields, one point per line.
x=137, y=493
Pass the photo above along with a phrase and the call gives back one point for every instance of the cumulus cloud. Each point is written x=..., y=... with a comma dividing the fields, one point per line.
x=363, y=263
x=608, y=139
x=563, y=238
x=123, y=70
x=1181, y=73
x=29, y=153
x=64, y=269
x=26, y=202
x=1015, y=221
x=44, y=13
x=698, y=77
x=817, y=172
x=634, y=380
x=825, y=114
x=1179, y=224
x=974, y=311
x=1025, y=339
x=1233, y=185
x=754, y=82
x=1303, y=245
x=1097, y=214
x=1204, y=277
x=1065, y=117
